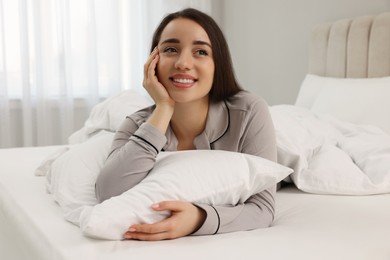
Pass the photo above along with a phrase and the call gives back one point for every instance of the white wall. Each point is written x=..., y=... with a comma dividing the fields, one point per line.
x=269, y=39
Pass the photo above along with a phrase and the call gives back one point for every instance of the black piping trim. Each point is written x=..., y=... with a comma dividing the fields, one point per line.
x=219, y=220
x=146, y=142
x=227, y=128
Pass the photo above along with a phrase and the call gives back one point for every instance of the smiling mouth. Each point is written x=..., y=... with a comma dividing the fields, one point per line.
x=182, y=82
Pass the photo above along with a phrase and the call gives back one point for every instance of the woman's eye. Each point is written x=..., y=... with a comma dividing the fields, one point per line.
x=202, y=52
x=170, y=49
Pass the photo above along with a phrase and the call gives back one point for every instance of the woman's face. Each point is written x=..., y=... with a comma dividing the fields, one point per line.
x=186, y=65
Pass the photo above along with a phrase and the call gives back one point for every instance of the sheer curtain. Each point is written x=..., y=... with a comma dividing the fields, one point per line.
x=58, y=58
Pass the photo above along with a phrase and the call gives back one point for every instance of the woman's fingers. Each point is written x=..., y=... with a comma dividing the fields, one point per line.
x=152, y=68
x=157, y=231
x=148, y=63
x=152, y=84
x=185, y=218
x=150, y=78
x=173, y=205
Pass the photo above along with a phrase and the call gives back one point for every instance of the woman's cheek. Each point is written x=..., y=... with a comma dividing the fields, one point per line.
x=161, y=69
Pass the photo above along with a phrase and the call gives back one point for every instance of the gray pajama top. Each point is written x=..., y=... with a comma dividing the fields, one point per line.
x=240, y=124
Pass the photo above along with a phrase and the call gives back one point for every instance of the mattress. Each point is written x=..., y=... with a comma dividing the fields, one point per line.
x=307, y=226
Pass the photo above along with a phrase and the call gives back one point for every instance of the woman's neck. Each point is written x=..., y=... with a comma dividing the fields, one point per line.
x=189, y=121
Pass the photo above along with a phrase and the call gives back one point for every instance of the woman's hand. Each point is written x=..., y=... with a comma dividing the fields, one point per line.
x=165, y=105
x=185, y=219
x=151, y=83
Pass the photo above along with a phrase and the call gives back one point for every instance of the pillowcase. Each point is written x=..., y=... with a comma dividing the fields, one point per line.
x=362, y=101
x=45, y=165
x=72, y=176
x=308, y=92
x=200, y=176
x=110, y=113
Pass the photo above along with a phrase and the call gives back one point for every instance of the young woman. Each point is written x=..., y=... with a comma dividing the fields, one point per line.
x=198, y=105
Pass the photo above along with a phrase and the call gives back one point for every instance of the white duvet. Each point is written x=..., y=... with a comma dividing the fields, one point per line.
x=330, y=156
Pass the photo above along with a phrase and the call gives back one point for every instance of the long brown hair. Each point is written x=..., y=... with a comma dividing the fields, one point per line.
x=225, y=84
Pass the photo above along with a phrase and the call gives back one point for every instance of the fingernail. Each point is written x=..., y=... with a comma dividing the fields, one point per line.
x=155, y=206
x=131, y=229
x=127, y=235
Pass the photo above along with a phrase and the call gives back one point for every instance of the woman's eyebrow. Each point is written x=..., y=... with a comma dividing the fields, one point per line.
x=171, y=40
x=174, y=40
x=201, y=43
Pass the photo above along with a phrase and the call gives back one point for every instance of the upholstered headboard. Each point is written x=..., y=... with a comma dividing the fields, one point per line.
x=351, y=48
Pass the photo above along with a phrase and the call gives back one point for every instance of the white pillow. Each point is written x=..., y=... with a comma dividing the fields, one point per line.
x=308, y=92
x=213, y=177
x=201, y=176
x=110, y=113
x=360, y=101
x=72, y=176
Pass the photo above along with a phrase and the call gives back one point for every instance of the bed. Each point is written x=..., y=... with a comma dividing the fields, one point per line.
x=312, y=222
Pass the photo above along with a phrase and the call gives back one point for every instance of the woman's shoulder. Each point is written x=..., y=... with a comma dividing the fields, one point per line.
x=245, y=100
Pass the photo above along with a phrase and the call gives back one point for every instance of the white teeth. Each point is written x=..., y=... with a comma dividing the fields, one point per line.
x=185, y=81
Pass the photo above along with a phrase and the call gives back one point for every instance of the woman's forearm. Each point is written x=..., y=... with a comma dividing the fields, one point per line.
x=257, y=212
x=130, y=161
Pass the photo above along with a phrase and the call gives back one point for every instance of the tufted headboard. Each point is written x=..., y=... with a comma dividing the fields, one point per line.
x=351, y=48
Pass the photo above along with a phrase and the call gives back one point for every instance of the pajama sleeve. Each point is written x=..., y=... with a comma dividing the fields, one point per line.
x=133, y=154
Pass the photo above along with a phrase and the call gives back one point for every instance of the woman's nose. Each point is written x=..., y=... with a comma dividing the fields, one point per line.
x=184, y=61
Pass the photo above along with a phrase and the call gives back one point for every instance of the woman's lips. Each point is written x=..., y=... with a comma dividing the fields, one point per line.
x=183, y=82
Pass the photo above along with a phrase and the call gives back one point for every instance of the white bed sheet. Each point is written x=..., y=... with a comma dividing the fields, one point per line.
x=307, y=226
